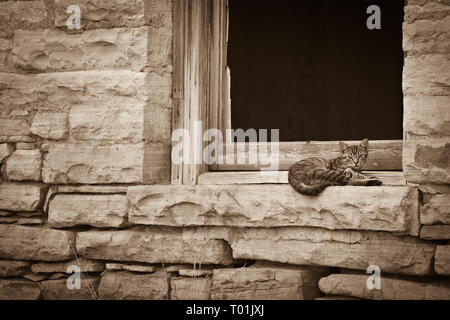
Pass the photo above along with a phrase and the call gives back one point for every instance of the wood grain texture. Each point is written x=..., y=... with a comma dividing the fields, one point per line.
x=384, y=155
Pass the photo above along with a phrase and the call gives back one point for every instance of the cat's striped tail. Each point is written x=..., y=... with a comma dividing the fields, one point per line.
x=309, y=190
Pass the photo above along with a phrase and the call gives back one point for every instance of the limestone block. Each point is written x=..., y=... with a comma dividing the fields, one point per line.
x=141, y=268
x=61, y=90
x=17, y=289
x=102, y=211
x=13, y=268
x=427, y=75
x=35, y=244
x=427, y=116
x=6, y=149
x=24, y=165
x=426, y=160
x=21, y=15
x=103, y=13
x=195, y=273
x=6, y=46
x=391, y=289
x=275, y=283
x=82, y=163
x=25, y=146
x=85, y=265
x=125, y=285
x=436, y=210
x=427, y=36
x=120, y=123
x=442, y=260
x=50, y=125
x=152, y=246
x=356, y=208
x=190, y=288
x=437, y=232
x=344, y=249
x=55, y=50
x=13, y=130
x=59, y=290
x=21, y=197
x=426, y=10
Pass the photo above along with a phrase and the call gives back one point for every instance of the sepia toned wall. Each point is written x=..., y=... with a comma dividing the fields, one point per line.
x=85, y=127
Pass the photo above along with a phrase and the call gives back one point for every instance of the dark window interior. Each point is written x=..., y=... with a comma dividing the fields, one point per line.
x=312, y=69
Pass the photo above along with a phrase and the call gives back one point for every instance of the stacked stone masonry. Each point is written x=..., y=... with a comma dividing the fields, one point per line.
x=85, y=128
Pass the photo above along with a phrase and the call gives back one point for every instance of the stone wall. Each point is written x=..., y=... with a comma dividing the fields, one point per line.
x=85, y=126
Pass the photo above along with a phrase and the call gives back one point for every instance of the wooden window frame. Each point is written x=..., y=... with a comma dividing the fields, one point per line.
x=201, y=92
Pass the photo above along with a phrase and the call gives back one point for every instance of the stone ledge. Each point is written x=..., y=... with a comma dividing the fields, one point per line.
x=22, y=196
x=393, y=209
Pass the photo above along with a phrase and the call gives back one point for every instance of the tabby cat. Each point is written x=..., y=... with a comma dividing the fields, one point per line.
x=312, y=176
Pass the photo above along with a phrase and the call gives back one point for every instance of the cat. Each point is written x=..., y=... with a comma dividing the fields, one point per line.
x=314, y=175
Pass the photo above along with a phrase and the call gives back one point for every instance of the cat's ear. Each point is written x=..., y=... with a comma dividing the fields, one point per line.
x=365, y=144
x=342, y=147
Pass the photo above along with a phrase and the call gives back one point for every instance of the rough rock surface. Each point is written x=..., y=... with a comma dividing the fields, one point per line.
x=24, y=165
x=21, y=197
x=436, y=210
x=195, y=272
x=82, y=163
x=13, y=130
x=19, y=289
x=21, y=15
x=121, y=122
x=58, y=289
x=102, y=211
x=36, y=244
x=50, y=125
x=85, y=265
x=55, y=50
x=442, y=260
x=13, y=268
x=131, y=267
x=358, y=208
x=391, y=289
x=190, y=289
x=345, y=249
x=152, y=246
x=275, y=283
x=129, y=286
x=6, y=149
x=437, y=232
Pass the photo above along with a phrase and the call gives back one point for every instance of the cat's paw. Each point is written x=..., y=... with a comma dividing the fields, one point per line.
x=374, y=183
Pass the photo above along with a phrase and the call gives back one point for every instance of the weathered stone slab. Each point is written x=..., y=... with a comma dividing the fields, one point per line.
x=81, y=163
x=59, y=290
x=427, y=75
x=6, y=46
x=427, y=116
x=121, y=122
x=426, y=10
x=21, y=197
x=6, y=149
x=61, y=90
x=442, y=260
x=24, y=165
x=25, y=146
x=437, y=232
x=18, y=289
x=50, y=125
x=265, y=284
x=195, y=272
x=190, y=289
x=103, y=14
x=13, y=268
x=102, y=211
x=131, y=267
x=391, y=289
x=14, y=128
x=155, y=245
x=21, y=15
x=344, y=249
x=157, y=163
x=85, y=265
x=427, y=36
x=129, y=286
x=56, y=51
x=426, y=161
x=436, y=209
x=35, y=244
x=359, y=208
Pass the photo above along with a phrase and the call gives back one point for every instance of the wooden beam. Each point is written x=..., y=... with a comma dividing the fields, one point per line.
x=383, y=155
x=389, y=178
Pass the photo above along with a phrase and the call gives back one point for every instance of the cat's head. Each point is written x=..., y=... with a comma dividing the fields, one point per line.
x=354, y=156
